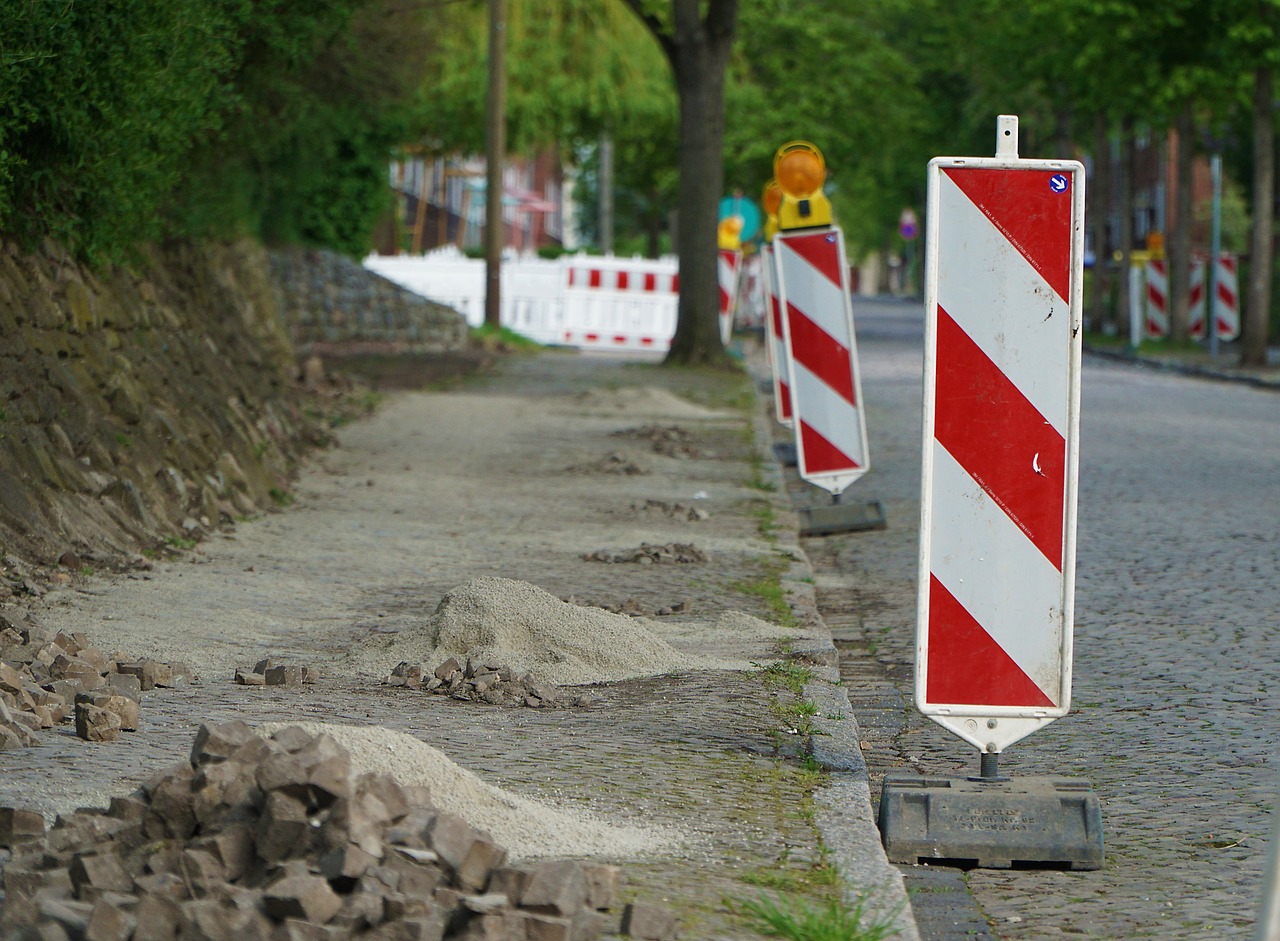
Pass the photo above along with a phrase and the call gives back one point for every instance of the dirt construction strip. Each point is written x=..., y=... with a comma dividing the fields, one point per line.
x=675, y=709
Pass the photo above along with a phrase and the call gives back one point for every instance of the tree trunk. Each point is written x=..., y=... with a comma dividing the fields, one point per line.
x=698, y=49
x=1257, y=308
x=1124, y=201
x=1179, y=234
x=1099, y=197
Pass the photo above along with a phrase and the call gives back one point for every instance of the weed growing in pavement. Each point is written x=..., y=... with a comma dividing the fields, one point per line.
x=798, y=919
x=179, y=542
x=786, y=674
x=756, y=481
x=767, y=586
x=282, y=498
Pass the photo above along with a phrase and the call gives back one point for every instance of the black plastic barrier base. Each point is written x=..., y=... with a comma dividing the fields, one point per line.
x=833, y=518
x=1014, y=822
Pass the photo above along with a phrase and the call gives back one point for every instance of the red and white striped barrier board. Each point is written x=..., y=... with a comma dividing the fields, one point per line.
x=1226, y=297
x=1196, y=300
x=623, y=305
x=729, y=268
x=776, y=344
x=1157, y=306
x=821, y=357
x=1002, y=360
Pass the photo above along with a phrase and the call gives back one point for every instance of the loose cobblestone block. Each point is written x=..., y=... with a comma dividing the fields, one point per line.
x=249, y=678
x=537, y=927
x=449, y=669
x=468, y=852
x=172, y=806
x=124, y=708
x=19, y=826
x=73, y=916
x=95, y=724
x=215, y=743
x=158, y=918
x=306, y=897
x=558, y=887
x=603, y=882
x=100, y=871
x=284, y=676
x=125, y=684
x=110, y=921
x=283, y=830
x=292, y=738
x=284, y=772
x=650, y=922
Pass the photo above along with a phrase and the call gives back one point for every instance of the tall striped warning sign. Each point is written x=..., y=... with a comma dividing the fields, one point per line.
x=776, y=344
x=1002, y=358
x=1226, y=301
x=821, y=357
x=1157, y=299
x=729, y=269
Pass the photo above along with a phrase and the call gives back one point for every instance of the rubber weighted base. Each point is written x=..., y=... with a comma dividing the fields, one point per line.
x=1022, y=822
x=840, y=518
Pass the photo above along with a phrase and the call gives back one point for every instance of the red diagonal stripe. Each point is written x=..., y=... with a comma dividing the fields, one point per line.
x=821, y=250
x=1026, y=210
x=966, y=665
x=821, y=353
x=820, y=455
x=1226, y=295
x=784, y=399
x=1000, y=438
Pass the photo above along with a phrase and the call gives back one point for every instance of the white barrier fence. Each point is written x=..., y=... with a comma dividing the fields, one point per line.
x=592, y=302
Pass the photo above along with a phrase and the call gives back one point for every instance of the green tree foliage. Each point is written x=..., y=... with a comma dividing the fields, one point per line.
x=134, y=120
x=575, y=69
x=99, y=105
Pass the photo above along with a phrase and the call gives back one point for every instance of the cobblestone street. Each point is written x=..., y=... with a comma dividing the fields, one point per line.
x=1175, y=710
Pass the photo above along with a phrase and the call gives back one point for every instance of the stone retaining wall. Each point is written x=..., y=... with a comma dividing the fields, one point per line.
x=334, y=304
x=145, y=404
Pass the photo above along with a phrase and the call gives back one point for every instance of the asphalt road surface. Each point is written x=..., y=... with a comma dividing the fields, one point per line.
x=1176, y=707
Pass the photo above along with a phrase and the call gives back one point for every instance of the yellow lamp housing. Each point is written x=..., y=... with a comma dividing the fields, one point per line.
x=800, y=172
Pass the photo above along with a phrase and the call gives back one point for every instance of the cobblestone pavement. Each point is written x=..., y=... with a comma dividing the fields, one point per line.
x=1176, y=714
x=367, y=550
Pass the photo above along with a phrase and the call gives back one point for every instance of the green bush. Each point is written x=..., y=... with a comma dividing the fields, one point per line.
x=134, y=120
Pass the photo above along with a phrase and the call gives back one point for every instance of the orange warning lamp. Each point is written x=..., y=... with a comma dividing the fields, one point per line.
x=771, y=199
x=800, y=171
x=729, y=233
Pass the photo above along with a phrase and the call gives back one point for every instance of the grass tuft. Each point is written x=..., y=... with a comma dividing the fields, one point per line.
x=798, y=919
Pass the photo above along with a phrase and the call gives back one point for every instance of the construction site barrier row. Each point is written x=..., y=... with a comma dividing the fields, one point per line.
x=586, y=301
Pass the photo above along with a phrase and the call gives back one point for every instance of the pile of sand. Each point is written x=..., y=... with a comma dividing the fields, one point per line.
x=516, y=624
x=527, y=828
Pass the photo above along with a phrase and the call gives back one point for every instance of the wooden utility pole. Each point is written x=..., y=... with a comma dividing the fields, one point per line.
x=495, y=154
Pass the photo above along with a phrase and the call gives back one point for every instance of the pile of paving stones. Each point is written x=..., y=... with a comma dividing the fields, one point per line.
x=484, y=681
x=268, y=672
x=667, y=440
x=47, y=678
x=613, y=463
x=633, y=607
x=646, y=554
x=281, y=839
x=675, y=511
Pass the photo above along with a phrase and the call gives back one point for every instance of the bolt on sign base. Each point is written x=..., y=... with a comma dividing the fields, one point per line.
x=833, y=518
x=1032, y=822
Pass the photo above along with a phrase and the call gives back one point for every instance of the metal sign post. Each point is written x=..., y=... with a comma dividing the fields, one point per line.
x=1003, y=302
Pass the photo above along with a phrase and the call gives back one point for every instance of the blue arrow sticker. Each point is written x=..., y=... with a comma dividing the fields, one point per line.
x=1059, y=183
